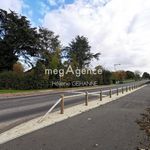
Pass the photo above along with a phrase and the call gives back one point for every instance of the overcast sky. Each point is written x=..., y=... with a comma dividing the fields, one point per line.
x=119, y=29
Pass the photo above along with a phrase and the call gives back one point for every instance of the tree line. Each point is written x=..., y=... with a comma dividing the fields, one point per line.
x=18, y=39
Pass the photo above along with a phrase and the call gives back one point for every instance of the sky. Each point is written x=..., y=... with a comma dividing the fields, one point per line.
x=118, y=29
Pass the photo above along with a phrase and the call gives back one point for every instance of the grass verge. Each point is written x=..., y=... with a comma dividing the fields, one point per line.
x=16, y=91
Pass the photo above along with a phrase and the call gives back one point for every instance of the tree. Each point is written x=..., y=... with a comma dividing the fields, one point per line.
x=17, y=38
x=78, y=52
x=107, y=76
x=99, y=77
x=50, y=48
x=18, y=68
x=146, y=75
x=137, y=75
x=119, y=75
x=130, y=75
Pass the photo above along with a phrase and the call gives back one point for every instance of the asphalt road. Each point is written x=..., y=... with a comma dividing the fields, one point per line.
x=108, y=127
x=16, y=110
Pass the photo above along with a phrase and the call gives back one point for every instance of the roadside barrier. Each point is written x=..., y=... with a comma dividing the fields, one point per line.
x=101, y=94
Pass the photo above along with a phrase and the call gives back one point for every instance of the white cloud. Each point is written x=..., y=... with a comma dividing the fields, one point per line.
x=15, y=5
x=56, y=2
x=118, y=29
x=44, y=8
x=52, y=2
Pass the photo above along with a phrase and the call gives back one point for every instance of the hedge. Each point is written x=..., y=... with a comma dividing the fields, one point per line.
x=22, y=81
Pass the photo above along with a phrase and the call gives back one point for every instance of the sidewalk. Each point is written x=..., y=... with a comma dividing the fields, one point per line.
x=108, y=127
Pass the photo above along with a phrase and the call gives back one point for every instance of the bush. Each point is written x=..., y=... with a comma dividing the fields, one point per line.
x=24, y=81
x=10, y=80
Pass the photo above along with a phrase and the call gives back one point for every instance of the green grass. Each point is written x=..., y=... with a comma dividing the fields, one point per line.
x=27, y=91
x=15, y=91
x=128, y=81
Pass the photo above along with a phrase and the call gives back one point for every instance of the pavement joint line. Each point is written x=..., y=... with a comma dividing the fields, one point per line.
x=54, y=117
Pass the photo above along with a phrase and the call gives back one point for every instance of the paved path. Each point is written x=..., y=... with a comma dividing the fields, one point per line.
x=109, y=127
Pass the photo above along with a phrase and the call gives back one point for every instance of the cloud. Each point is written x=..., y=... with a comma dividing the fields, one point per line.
x=56, y=2
x=44, y=9
x=15, y=5
x=119, y=29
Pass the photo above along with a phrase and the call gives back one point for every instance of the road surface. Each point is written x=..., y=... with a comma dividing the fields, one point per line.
x=108, y=127
x=16, y=110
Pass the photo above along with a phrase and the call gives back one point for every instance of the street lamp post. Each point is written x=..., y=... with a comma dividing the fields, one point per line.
x=115, y=66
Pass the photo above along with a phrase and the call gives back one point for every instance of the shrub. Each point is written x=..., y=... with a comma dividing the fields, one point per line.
x=13, y=80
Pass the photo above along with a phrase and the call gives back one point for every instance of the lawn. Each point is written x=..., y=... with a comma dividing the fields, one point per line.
x=15, y=91
x=128, y=81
